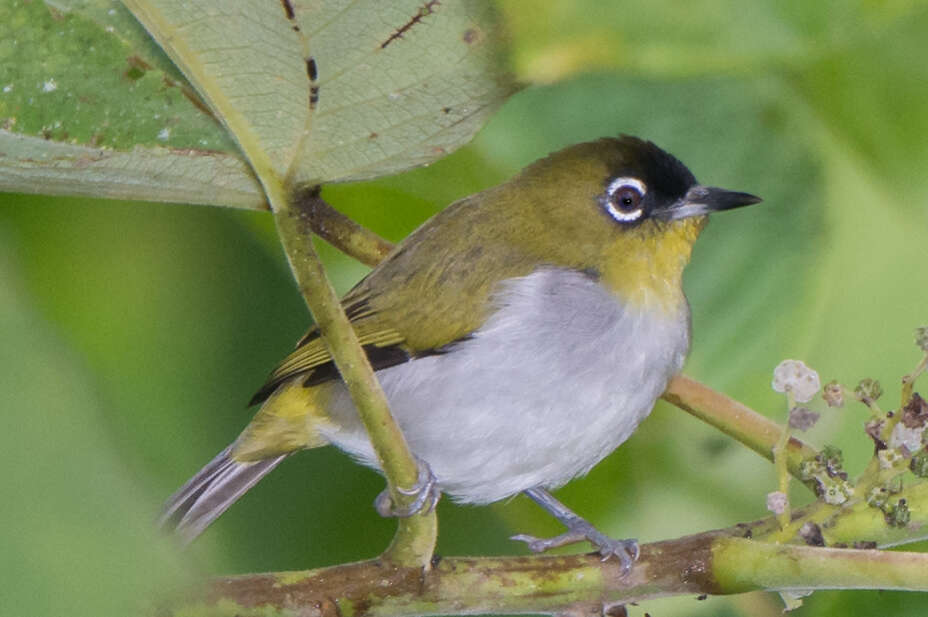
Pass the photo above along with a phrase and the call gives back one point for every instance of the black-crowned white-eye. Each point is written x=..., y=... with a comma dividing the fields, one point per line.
x=520, y=335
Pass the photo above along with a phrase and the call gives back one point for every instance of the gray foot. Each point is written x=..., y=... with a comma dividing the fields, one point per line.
x=626, y=551
x=425, y=490
x=578, y=530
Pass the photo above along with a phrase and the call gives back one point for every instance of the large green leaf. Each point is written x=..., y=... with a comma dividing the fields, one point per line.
x=89, y=105
x=48, y=167
x=341, y=90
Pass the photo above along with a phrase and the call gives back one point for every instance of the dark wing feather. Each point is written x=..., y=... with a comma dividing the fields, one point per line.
x=317, y=372
x=390, y=324
x=383, y=344
x=318, y=367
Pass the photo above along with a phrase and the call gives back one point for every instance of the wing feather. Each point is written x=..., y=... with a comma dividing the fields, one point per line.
x=312, y=360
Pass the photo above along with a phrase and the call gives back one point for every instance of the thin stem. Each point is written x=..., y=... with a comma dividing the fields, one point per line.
x=816, y=513
x=737, y=421
x=743, y=565
x=908, y=381
x=868, y=478
x=415, y=537
x=340, y=231
x=780, y=457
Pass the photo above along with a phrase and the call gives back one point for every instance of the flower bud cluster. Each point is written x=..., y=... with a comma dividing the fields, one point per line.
x=831, y=483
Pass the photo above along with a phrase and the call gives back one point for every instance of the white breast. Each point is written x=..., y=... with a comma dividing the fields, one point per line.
x=556, y=379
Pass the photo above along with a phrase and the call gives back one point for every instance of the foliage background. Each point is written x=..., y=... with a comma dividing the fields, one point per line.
x=132, y=334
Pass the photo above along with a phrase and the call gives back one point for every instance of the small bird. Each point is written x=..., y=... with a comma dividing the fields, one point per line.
x=520, y=336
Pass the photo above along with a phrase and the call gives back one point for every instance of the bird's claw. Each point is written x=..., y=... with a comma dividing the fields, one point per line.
x=540, y=545
x=425, y=490
x=626, y=551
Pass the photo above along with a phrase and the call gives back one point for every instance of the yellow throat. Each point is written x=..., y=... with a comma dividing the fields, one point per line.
x=645, y=267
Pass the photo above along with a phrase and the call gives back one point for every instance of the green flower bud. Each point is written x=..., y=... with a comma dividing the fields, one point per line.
x=898, y=515
x=868, y=390
x=919, y=464
x=921, y=338
x=833, y=394
x=877, y=497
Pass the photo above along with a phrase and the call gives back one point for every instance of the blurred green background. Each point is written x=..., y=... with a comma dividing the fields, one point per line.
x=133, y=334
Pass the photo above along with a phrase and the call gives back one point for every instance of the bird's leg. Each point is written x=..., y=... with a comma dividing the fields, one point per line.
x=425, y=490
x=578, y=530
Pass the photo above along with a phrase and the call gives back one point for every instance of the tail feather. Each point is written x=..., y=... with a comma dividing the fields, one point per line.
x=210, y=492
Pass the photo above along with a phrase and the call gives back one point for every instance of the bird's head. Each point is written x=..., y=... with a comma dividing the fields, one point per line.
x=623, y=208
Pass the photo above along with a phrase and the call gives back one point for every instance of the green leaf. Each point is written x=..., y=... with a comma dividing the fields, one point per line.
x=89, y=105
x=36, y=165
x=341, y=90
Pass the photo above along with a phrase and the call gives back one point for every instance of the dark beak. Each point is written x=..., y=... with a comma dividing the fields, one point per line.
x=701, y=200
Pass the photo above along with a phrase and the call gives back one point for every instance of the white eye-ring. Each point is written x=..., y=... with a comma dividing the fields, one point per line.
x=623, y=199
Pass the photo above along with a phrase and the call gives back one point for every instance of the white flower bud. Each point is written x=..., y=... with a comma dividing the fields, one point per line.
x=794, y=376
x=909, y=438
x=777, y=502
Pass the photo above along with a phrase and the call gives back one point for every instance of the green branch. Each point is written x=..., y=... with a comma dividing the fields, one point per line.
x=415, y=536
x=728, y=561
x=743, y=565
x=339, y=230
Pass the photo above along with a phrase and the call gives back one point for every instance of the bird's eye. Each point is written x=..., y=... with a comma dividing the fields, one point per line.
x=627, y=198
x=623, y=200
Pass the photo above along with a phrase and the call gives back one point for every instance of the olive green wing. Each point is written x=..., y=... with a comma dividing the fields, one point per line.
x=429, y=294
x=384, y=346
x=391, y=328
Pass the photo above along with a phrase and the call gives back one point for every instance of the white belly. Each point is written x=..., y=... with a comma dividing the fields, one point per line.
x=556, y=379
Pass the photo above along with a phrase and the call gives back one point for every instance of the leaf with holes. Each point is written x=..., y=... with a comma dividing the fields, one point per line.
x=341, y=90
x=315, y=92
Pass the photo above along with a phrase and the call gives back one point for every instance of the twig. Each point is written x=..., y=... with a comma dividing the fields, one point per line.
x=340, y=231
x=781, y=466
x=415, y=537
x=908, y=381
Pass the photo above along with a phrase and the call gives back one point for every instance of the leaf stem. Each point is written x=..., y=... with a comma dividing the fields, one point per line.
x=415, y=537
x=780, y=457
x=340, y=231
x=908, y=381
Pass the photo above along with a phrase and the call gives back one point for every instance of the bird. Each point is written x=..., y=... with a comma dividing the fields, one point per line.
x=520, y=336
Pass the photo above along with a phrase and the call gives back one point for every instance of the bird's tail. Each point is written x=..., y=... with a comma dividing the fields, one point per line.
x=208, y=494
